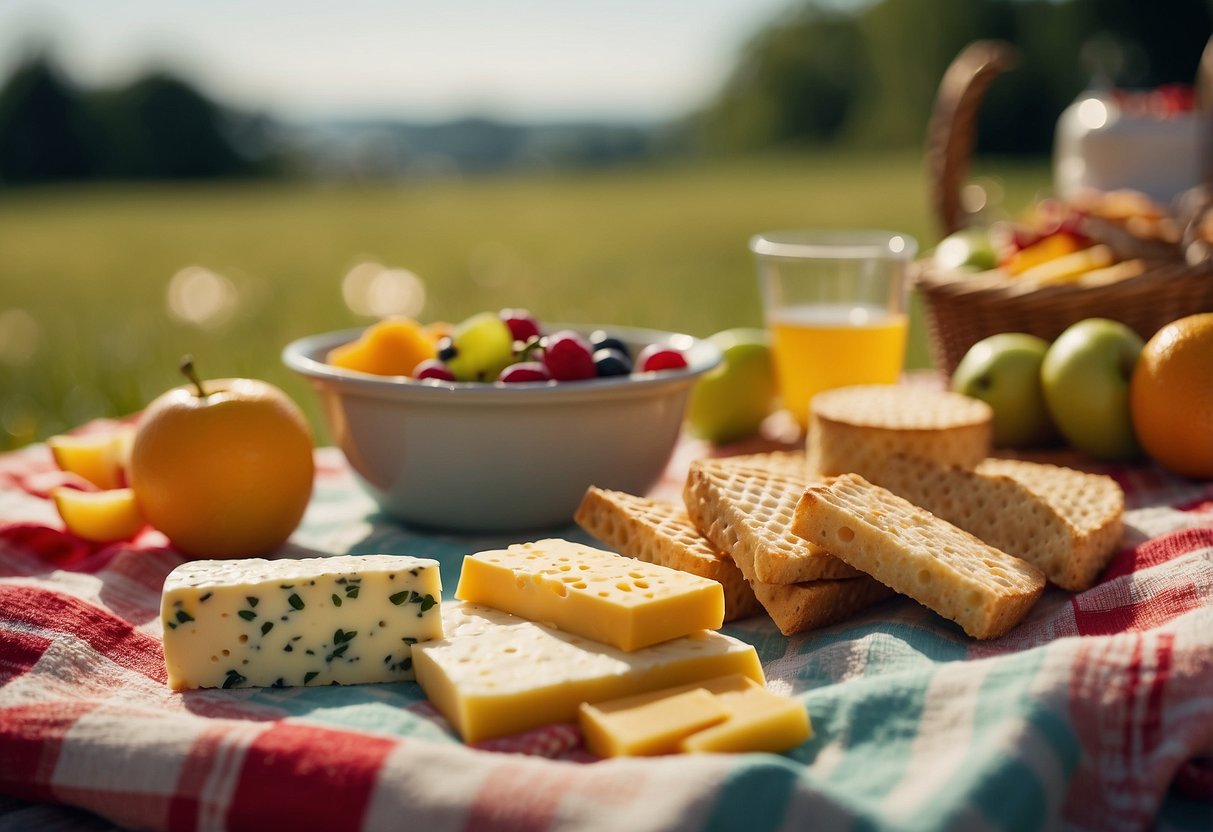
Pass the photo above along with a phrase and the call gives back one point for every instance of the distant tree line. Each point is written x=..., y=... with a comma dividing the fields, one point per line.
x=157, y=127
x=868, y=77
x=822, y=75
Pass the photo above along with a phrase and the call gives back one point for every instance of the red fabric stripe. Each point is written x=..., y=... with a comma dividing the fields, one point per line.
x=296, y=776
x=21, y=652
x=32, y=738
x=186, y=803
x=51, y=545
x=109, y=635
x=1151, y=728
x=1135, y=615
x=1158, y=550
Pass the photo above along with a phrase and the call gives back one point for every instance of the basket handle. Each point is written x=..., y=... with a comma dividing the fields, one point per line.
x=952, y=129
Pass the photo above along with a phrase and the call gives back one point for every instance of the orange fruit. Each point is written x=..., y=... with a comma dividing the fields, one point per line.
x=1171, y=396
x=227, y=473
x=392, y=347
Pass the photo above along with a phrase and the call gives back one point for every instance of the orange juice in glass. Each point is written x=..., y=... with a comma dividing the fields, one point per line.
x=834, y=302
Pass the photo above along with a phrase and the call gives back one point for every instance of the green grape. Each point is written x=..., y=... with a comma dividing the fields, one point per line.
x=482, y=347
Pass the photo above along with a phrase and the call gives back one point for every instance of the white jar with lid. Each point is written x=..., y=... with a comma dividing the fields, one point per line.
x=1102, y=145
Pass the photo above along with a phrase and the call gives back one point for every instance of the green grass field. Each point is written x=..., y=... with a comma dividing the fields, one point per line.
x=85, y=329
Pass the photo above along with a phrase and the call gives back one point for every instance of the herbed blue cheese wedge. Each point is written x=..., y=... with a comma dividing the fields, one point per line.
x=281, y=623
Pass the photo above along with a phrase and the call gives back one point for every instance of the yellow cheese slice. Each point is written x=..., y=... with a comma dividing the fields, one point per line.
x=649, y=724
x=759, y=720
x=610, y=598
x=495, y=674
x=743, y=716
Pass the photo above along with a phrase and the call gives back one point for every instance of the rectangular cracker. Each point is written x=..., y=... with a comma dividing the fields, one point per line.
x=1067, y=523
x=983, y=589
x=811, y=605
x=662, y=533
x=746, y=510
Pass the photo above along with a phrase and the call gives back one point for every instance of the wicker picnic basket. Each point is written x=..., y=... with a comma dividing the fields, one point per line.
x=962, y=309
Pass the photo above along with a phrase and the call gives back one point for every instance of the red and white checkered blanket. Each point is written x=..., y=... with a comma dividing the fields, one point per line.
x=1094, y=713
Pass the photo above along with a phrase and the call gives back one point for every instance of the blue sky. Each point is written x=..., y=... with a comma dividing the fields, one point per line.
x=524, y=59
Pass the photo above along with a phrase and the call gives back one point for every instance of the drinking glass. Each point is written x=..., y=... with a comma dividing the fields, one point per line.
x=835, y=305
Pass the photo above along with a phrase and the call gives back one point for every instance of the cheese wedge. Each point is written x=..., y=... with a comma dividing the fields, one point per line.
x=314, y=621
x=597, y=594
x=496, y=674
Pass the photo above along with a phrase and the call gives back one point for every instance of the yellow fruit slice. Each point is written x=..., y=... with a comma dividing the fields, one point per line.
x=1069, y=267
x=1042, y=251
x=99, y=458
x=392, y=347
x=99, y=516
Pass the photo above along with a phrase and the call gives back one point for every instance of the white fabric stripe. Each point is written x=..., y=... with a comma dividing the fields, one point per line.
x=417, y=789
x=943, y=738
x=216, y=795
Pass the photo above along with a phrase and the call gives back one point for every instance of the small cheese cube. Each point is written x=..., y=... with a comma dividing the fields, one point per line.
x=281, y=623
x=759, y=720
x=748, y=717
x=600, y=595
x=495, y=674
x=648, y=724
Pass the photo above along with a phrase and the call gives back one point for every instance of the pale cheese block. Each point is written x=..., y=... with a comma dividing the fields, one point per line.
x=1067, y=523
x=314, y=621
x=496, y=674
x=662, y=533
x=591, y=592
x=854, y=429
x=747, y=512
x=728, y=714
x=983, y=589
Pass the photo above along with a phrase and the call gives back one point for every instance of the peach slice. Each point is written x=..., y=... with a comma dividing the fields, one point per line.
x=99, y=516
x=391, y=347
x=100, y=458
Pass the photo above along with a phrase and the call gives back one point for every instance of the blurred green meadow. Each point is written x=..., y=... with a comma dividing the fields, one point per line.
x=104, y=288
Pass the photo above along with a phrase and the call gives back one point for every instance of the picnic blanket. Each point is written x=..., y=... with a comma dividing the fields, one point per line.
x=1095, y=713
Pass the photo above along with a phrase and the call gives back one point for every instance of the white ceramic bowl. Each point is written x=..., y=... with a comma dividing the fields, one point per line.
x=492, y=457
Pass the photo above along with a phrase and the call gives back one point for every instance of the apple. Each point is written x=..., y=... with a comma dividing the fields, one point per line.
x=966, y=250
x=731, y=401
x=224, y=467
x=1004, y=372
x=1086, y=375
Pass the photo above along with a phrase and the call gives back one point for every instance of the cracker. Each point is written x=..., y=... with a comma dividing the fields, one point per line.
x=813, y=604
x=983, y=589
x=662, y=533
x=746, y=511
x=853, y=429
x=1066, y=523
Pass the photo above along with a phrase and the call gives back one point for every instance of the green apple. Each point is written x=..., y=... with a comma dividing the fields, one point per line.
x=1086, y=375
x=969, y=249
x=731, y=401
x=1004, y=372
